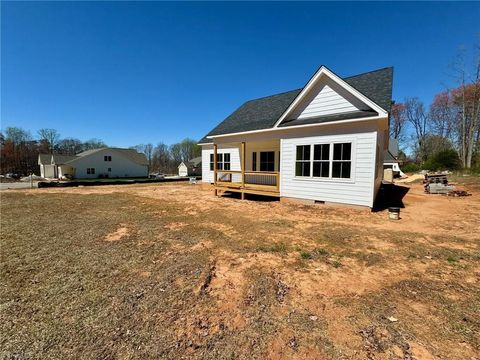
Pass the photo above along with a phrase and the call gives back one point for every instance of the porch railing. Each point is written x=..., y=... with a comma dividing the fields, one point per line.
x=266, y=180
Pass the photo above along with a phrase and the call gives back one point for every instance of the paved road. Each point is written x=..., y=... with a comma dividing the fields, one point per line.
x=16, y=185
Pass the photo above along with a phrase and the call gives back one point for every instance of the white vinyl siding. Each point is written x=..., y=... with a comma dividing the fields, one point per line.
x=120, y=166
x=327, y=102
x=207, y=174
x=182, y=170
x=356, y=190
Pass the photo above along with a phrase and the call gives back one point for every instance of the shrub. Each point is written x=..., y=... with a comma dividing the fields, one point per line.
x=410, y=168
x=443, y=160
x=306, y=255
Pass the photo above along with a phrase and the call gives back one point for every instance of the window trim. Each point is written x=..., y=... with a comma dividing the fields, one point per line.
x=330, y=178
x=220, y=161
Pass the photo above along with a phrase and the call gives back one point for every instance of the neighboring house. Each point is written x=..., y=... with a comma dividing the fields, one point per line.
x=92, y=164
x=192, y=167
x=324, y=142
x=390, y=158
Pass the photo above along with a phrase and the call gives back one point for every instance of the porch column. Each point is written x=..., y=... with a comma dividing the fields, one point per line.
x=215, y=168
x=243, y=157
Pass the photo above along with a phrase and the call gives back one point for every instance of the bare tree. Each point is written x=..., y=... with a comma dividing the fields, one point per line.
x=467, y=98
x=69, y=146
x=397, y=122
x=93, y=144
x=50, y=137
x=416, y=116
x=146, y=149
x=161, y=160
x=176, y=153
x=443, y=116
x=149, y=154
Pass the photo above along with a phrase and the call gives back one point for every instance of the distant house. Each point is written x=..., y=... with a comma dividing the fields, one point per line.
x=324, y=142
x=192, y=167
x=92, y=164
x=390, y=158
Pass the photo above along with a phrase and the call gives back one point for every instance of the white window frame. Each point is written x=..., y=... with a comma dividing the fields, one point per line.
x=220, y=164
x=330, y=178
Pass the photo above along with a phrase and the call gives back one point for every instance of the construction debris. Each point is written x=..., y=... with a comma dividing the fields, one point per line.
x=438, y=184
x=458, y=193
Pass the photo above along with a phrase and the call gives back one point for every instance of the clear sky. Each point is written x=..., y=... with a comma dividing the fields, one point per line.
x=139, y=72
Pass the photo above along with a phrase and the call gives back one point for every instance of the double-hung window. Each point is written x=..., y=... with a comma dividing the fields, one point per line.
x=267, y=161
x=321, y=160
x=328, y=160
x=211, y=162
x=90, y=171
x=342, y=160
x=226, y=161
x=223, y=161
x=302, y=165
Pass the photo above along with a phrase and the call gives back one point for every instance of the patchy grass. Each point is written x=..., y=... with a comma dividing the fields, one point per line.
x=154, y=271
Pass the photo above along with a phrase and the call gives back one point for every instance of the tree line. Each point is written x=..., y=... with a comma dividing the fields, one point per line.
x=447, y=134
x=19, y=150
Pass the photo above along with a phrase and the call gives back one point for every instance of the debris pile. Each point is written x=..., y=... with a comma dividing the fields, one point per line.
x=438, y=184
x=458, y=193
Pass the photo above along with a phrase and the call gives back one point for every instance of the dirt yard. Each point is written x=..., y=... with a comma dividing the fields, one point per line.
x=169, y=271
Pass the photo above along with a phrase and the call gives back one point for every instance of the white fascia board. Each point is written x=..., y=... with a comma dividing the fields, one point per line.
x=324, y=71
x=378, y=117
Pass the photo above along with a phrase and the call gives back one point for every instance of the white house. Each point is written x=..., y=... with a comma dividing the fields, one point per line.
x=92, y=164
x=324, y=142
x=390, y=158
x=192, y=167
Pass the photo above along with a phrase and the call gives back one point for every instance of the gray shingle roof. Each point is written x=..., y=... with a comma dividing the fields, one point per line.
x=44, y=159
x=393, y=147
x=264, y=112
x=131, y=154
x=62, y=159
x=195, y=161
x=388, y=157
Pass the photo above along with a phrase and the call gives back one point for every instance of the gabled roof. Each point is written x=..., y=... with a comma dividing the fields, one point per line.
x=195, y=161
x=263, y=113
x=62, y=159
x=393, y=147
x=132, y=154
x=388, y=157
x=54, y=159
x=44, y=159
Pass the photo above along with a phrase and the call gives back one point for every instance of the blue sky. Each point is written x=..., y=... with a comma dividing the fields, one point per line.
x=139, y=72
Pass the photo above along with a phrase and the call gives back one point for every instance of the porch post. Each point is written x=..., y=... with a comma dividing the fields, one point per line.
x=243, y=164
x=243, y=169
x=215, y=168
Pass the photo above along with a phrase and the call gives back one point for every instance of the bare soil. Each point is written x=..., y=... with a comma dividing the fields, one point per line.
x=170, y=271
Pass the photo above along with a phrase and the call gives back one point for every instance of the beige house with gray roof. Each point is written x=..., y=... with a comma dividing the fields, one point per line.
x=93, y=164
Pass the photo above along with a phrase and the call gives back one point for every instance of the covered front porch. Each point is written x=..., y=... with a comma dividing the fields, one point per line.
x=256, y=169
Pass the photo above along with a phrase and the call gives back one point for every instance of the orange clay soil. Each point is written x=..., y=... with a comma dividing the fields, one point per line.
x=289, y=281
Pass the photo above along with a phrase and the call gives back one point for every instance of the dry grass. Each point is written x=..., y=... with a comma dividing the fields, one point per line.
x=169, y=271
